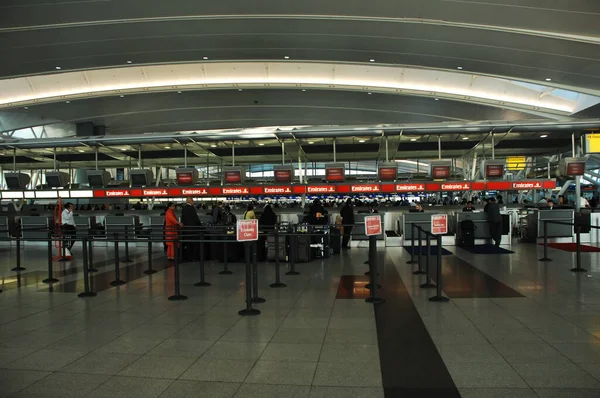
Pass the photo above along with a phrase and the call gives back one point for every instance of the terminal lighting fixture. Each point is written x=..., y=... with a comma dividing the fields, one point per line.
x=413, y=139
x=167, y=147
x=371, y=60
x=437, y=99
x=287, y=57
x=543, y=135
x=370, y=93
x=548, y=79
x=213, y=146
x=465, y=138
x=129, y=62
x=459, y=67
x=58, y=68
x=311, y=142
x=204, y=57
x=361, y=140
x=261, y=144
x=81, y=151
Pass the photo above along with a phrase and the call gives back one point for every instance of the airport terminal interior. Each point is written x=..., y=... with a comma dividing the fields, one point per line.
x=314, y=199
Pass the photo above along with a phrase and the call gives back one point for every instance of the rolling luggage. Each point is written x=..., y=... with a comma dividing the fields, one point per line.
x=467, y=233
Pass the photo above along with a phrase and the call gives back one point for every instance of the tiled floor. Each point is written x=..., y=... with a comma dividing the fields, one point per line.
x=131, y=341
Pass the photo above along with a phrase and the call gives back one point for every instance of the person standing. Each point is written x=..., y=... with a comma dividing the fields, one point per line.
x=171, y=230
x=249, y=214
x=347, y=214
x=191, y=222
x=217, y=214
x=268, y=219
x=68, y=226
x=494, y=220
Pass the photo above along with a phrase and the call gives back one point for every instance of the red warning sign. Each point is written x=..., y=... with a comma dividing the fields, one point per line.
x=439, y=224
x=247, y=230
x=372, y=225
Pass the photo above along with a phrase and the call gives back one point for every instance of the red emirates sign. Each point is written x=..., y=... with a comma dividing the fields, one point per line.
x=235, y=191
x=439, y=224
x=456, y=186
x=494, y=170
x=155, y=192
x=283, y=175
x=194, y=191
x=247, y=230
x=116, y=192
x=410, y=187
x=362, y=188
x=388, y=173
x=334, y=174
x=320, y=189
x=372, y=225
x=233, y=177
x=278, y=190
x=527, y=185
x=440, y=172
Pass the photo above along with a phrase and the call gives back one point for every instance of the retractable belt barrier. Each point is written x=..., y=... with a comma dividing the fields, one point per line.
x=429, y=271
x=176, y=236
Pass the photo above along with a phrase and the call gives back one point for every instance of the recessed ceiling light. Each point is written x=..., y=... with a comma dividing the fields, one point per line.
x=179, y=92
x=413, y=139
x=543, y=135
x=67, y=102
x=371, y=60
x=548, y=79
x=26, y=107
x=204, y=57
x=167, y=147
x=58, y=68
x=129, y=62
x=261, y=144
x=369, y=93
x=239, y=89
x=465, y=138
x=361, y=140
x=459, y=67
x=123, y=149
x=81, y=150
x=437, y=99
x=122, y=96
x=303, y=89
x=213, y=146
x=287, y=57
x=311, y=142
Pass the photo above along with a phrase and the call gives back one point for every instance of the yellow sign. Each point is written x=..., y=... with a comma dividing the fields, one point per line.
x=516, y=163
x=593, y=143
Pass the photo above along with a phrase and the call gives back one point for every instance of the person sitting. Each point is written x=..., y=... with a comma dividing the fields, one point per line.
x=469, y=206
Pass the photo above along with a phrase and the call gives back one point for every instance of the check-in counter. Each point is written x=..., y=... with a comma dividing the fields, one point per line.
x=423, y=220
x=595, y=232
x=122, y=225
x=35, y=228
x=555, y=230
x=482, y=228
x=84, y=225
x=4, y=231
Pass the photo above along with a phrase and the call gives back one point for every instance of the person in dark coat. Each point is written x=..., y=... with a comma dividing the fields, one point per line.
x=268, y=218
x=317, y=213
x=217, y=213
x=494, y=220
x=347, y=214
x=190, y=221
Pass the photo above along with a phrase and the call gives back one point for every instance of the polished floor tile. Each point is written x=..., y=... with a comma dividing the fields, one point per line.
x=497, y=393
x=480, y=375
x=555, y=375
x=219, y=370
x=276, y=372
x=530, y=353
x=47, y=360
x=103, y=363
x=344, y=392
x=63, y=385
x=235, y=350
x=189, y=388
x=131, y=387
x=130, y=345
x=181, y=348
x=348, y=374
x=351, y=353
x=291, y=352
x=13, y=381
x=272, y=391
x=158, y=367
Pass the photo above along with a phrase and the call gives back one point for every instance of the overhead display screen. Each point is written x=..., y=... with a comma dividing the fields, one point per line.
x=440, y=172
x=335, y=172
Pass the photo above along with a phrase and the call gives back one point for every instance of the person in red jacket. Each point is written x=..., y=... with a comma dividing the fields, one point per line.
x=171, y=230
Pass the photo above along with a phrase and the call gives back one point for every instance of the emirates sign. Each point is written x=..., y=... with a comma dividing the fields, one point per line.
x=527, y=185
x=235, y=191
x=320, y=189
x=155, y=192
x=117, y=192
x=459, y=186
x=194, y=191
x=365, y=188
x=410, y=187
x=278, y=190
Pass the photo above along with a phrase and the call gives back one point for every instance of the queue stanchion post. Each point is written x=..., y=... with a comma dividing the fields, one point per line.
x=202, y=282
x=438, y=293
x=248, y=311
x=90, y=253
x=150, y=270
x=87, y=292
x=255, y=297
x=18, y=268
x=51, y=278
x=177, y=296
x=277, y=273
x=545, y=258
x=578, y=251
x=412, y=244
x=226, y=270
x=117, y=281
x=293, y=247
x=374, y=287
x=428, y=283
x=419, y=270
x=127, y=259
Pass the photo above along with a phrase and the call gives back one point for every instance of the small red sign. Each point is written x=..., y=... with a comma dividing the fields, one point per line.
x=334, y=174
x=410, y=187
x=439, y=224
x=283, y=175
x=494, y=170
x=247, y=230
x=278, y=190
x=155, y=192
x=575, y=168
x=115, y=193
x=440, y=172
x=527, y=185
x=235, y=191
x=256, y=190
x=365, y=188
x=185, y=179
x=233, y=177
x=99, y=193
x=194, y=191
x=388, y=173
x=372, y=225
x=323, y=189
x=456, y=186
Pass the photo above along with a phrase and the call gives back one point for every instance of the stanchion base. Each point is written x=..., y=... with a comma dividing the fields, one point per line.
x=92, y=270
x=201, y=284
x=368, y=286
x=292, y=273
x=177, y=297
x=87, y=294
x=374, y=300
x=419, y=272
x=277, y=285
x=117, y=283
x=440, y=299
x=249, y=312
x=226, y=272
x=578, y=270
x=258, y=300
x=18, y=269
x=150, y=271
x=411, y=262
x=428, y=285
x=545, y=259
x=127, y=260
x=50, y=280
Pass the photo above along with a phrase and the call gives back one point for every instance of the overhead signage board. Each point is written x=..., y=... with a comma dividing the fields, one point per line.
x=234, y=175
x=387, y=171
x=439, y=224
x=372, y=225
x=365, y=188
x=247, y=230
x=335, y=172
x=283, y=174
x=592, y=143
x=417, y=187
x=456, y=186
x=440, y=172
x=322, y=189
x=516, y=163
x=194, y=191
x=235, y=191
x=277, y=190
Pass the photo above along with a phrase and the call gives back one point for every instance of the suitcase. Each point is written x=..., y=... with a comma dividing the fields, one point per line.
x=271, y=248
x=303, y=249
x=467, y=233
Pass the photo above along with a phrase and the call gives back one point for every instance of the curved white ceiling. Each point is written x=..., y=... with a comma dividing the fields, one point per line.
x=68, y=86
